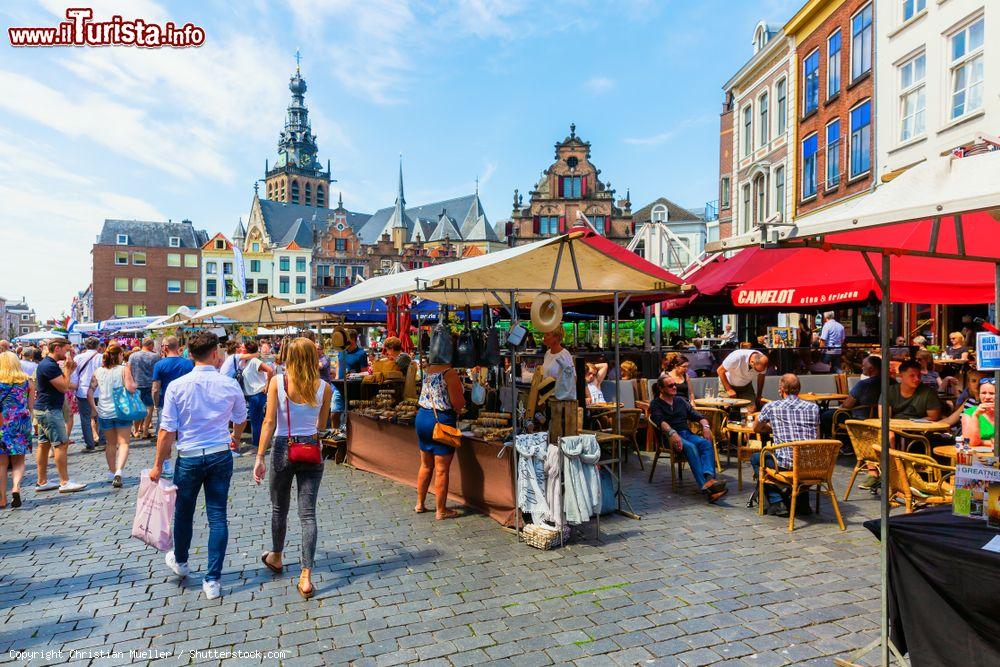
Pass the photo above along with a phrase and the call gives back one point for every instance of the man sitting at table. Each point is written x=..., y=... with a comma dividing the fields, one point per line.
x=865, y=393
x=672, y=414
x=789, y=419
x=740, y=371
x=910, y=398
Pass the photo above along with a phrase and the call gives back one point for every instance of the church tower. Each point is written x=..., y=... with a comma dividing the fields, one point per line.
x=297, y=177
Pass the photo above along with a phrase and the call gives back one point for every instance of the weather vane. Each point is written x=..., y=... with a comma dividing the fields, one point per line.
x=298, y=61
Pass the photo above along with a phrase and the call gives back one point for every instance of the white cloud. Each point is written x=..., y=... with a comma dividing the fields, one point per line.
x=598, y=85
x=665, y=136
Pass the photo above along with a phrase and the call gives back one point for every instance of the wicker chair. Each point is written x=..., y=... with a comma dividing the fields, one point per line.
x=864, y=438
x=631, y=418
x=677, y=459
x=841, y=415
x=907, y=484
x=813, y=463
x=746, y=445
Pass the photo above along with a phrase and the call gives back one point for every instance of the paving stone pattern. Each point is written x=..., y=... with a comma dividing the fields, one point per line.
x=689, y=584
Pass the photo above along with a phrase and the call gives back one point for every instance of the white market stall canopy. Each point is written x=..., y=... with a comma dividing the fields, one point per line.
x=941, y=192
x=37, y=336
x=566, y=265
x=260, y=310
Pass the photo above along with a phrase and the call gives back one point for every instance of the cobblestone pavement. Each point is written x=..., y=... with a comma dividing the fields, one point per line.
x=689, y=584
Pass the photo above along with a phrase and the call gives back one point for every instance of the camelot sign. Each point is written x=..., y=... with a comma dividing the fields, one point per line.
x=791, y=297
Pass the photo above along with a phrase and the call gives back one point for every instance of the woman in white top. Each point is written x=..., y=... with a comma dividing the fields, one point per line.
x=256, y=374
x=298, y=405
x=111, y=375
x=595, y=376
x=558, y=364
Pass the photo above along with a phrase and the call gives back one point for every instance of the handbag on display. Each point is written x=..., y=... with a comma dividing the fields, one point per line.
x=441, y=349
x=491, y=340
x=445, y=434
x=299, y=451
x=465, y=351
x=128, y=405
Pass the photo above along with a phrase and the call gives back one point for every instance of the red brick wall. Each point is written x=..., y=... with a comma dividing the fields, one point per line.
x=725, y=170
x=156, y=272
x=839, y=107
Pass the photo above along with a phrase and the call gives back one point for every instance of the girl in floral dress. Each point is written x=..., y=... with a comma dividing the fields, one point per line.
x=17, y=398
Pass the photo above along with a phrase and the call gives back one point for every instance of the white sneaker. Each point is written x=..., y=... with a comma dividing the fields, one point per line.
x=48, y=486
x=71, y=487
x=111, y=476
x=212, y=589
x=180, y=569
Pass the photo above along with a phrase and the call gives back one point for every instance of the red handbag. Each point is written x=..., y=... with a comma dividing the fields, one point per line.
x=299, y=451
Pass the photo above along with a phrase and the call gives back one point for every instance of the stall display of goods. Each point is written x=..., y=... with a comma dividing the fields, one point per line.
x=492, y=426
x=385, y=407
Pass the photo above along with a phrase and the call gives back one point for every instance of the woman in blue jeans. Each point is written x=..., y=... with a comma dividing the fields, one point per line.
x=298, y=408
x=441, y=399
x=256, y=375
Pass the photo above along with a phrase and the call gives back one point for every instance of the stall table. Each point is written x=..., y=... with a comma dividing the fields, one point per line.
x=478, y=478
x=943, y=588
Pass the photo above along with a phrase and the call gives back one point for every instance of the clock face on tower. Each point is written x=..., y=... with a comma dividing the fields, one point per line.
x=305, y=159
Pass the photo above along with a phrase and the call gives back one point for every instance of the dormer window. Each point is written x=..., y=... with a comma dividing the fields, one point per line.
x=175, y=242
x=122, y=239
x=220, y=244
x=659, y=213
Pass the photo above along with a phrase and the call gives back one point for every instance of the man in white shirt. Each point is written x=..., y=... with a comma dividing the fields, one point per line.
x=831, y=339
x=197, y=409
x=740, y=371
x=87, y=362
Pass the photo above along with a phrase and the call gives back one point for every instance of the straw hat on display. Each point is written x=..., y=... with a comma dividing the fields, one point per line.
x=339, y=338
x=546, y=312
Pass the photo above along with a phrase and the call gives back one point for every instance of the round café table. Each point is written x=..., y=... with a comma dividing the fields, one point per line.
x=948, y=452
x=744, y=448
x=823, y=400
x=723, y=403
x=911, y=425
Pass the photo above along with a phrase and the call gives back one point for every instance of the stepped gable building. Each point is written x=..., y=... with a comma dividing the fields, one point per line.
x=570, y=185
x=146, y=268
x=461, y=221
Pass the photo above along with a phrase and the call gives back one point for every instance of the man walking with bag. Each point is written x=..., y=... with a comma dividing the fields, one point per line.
x=197, y=409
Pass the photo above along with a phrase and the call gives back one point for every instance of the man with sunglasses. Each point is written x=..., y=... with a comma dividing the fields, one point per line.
x=672, y=414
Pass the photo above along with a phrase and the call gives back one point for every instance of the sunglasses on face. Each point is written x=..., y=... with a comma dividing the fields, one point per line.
x=669, y=385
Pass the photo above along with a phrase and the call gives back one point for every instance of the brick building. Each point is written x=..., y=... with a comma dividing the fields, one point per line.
x=760, y=133
x=726, y=168
x=834, y=54
x=146, y=268
x=570, y=185
x=338, y=256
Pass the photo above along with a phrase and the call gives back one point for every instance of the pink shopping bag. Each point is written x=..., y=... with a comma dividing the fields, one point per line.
x=154, y=513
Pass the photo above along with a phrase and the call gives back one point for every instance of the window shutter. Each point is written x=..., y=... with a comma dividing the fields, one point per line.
x=562, y=224
x=560, y=180
x=536, y=225
x=583, y=186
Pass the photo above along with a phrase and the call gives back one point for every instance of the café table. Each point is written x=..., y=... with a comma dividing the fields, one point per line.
x=722, y=402
x=922, y=426
x=948, y=452
x=823, y=400
x=744, y=448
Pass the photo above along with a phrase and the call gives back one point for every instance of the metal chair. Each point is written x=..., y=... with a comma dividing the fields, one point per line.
x=813, y=463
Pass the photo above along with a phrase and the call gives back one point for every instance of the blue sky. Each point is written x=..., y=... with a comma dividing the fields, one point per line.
x=462, y=88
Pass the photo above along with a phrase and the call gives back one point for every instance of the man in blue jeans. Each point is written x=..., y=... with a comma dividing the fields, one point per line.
x=197, y=409
x=673, y=414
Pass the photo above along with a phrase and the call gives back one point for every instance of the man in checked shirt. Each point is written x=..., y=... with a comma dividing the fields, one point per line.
x=787, y=420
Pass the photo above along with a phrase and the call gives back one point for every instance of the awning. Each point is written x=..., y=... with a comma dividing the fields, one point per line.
x=810, y=278
x=947, y=207
x=260, y=310
x=572, y=265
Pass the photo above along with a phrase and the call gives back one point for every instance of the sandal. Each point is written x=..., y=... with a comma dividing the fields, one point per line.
x=419, y=510
x=276, y=569
x=447, y=514
x=16, y=502
x=305, y=594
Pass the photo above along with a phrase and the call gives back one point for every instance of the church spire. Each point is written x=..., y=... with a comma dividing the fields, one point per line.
x=297, y=144
x=400, y=199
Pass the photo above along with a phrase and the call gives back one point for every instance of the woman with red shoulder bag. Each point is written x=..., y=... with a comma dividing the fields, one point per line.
x=298, y=408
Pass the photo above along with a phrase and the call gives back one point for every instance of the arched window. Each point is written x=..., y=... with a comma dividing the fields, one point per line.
x=659, y=213
x=320, y=196
x=309, y=194
x=760, y=189
x=269, y=193
x=295, y=191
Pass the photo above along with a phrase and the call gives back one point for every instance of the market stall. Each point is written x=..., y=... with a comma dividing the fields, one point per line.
x=573, y=268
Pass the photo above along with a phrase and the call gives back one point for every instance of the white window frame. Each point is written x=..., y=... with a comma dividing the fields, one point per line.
x=138, y=286
x=919, y=8
x=747, y=201
x=760, y=188
x=746, y=130
x=763, y=117
x=805, y=83
x=725, y=194
x=135, y=260
x=801, y=148
x=175, y=242
x=190, y=260
x=121, y=239
x=827, y=185
x=779, y=196
x=121, y=255
x=967, y=59
x=914, y=90
x=171, y=255
x=193, y=284
x=116, y=283
x=211, y=268
x=830, y=71
x=781, y=98
x=180, y=286
x=849, y=153
x=871, y=45
x=658, y=213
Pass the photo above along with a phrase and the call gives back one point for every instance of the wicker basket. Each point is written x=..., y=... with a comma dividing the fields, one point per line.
x=543, y=538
